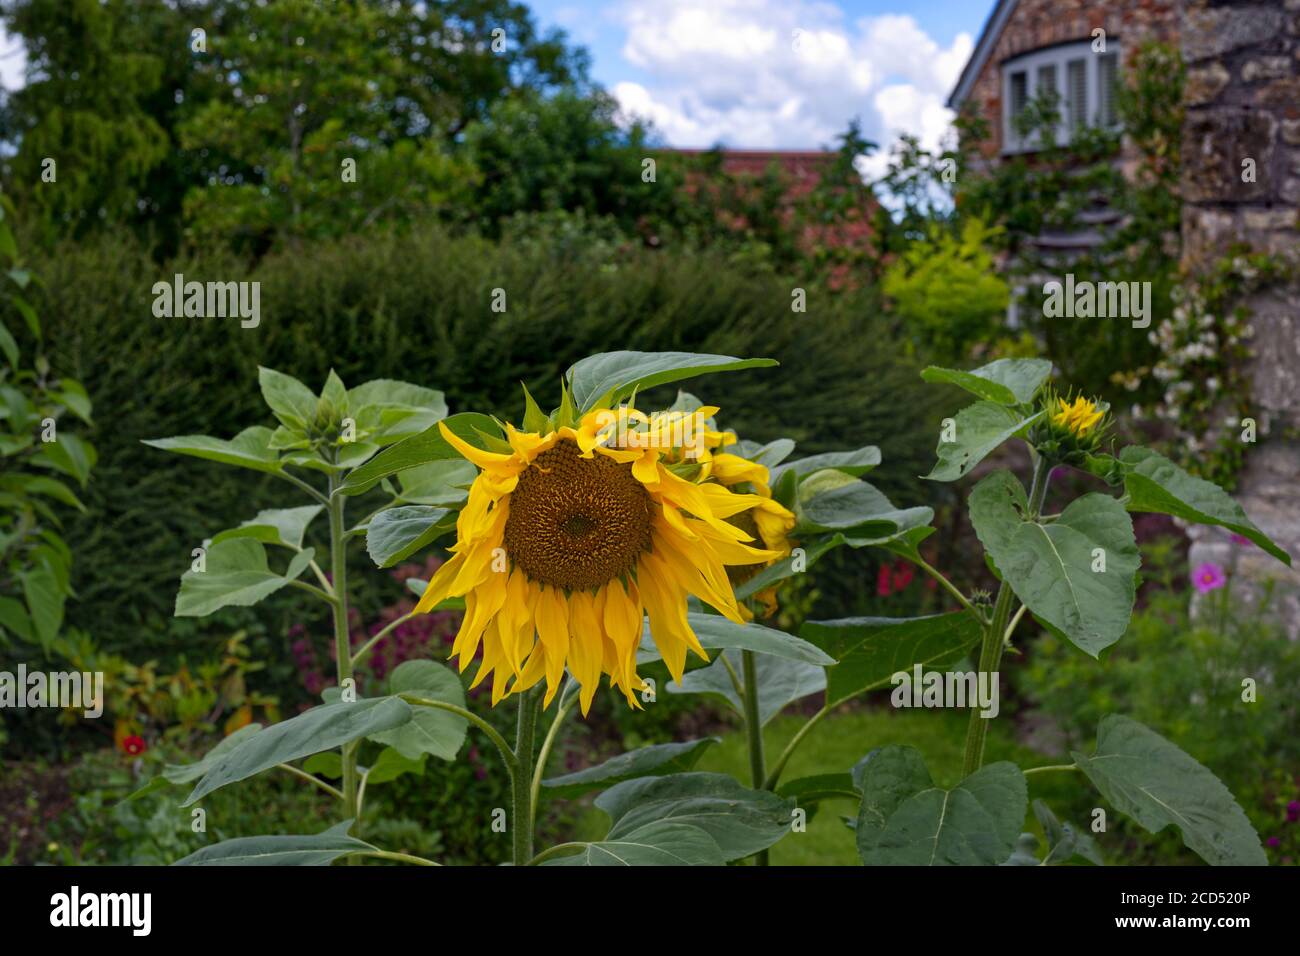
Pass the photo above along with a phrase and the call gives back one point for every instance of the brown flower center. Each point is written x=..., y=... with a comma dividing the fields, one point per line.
x=577, y=523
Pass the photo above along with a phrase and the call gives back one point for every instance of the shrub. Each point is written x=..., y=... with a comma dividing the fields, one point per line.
x=416, y=305
x=1183, y=676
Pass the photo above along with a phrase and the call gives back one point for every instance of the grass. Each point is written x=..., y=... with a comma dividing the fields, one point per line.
x=839, y=742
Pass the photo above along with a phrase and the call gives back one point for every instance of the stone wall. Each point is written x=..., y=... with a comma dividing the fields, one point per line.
x=1243, y=103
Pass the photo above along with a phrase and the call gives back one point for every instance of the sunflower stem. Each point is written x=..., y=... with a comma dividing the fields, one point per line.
x=545, y=754
x=998, y=631
x=522, y=778
x=754, y=730
x=342, y=645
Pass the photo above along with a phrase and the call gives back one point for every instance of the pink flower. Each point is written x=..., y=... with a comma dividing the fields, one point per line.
x=1240, y=541
x=884, y=582
x=1208, y=577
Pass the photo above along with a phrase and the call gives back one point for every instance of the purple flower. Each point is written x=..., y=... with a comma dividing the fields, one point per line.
x=1241, y=540
x=1273, y=842
x=1208, y=577
x=1293, y=811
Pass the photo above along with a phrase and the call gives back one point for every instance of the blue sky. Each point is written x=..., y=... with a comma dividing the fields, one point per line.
x=784, y=74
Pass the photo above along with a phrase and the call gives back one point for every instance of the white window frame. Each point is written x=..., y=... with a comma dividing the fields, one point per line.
x=1058, y=57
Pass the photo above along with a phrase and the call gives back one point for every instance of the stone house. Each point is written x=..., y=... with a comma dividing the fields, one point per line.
x=1242, y=100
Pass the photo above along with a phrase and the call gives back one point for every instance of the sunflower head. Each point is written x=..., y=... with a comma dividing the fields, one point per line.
x=572, y=535
x=1070, y=429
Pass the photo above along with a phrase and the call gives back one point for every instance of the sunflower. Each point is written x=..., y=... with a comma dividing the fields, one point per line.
x=766, y=519
x=1080, y=416
x=568, y=540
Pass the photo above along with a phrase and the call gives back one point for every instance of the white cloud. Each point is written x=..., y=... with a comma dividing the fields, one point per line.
x=786, y=74
x=13, y=61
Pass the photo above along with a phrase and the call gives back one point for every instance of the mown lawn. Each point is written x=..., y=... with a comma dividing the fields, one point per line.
x=836, y=744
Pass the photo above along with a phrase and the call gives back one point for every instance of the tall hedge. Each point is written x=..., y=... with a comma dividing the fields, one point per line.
x=417, y=306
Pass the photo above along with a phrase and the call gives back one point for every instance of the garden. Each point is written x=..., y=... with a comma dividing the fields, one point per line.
x=532, y=511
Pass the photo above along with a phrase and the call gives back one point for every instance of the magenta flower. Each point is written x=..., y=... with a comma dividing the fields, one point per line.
x=1208, y=577
x=1273, y=842
x=1241, y=541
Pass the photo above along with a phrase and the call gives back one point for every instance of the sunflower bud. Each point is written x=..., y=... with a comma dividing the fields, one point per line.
x=327, y=425
x=1070, y=430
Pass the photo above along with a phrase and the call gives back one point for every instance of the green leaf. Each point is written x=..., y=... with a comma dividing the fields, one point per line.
x=41, y=485
x=741, y=821
x=781, y=682
x=292, y=402
x=655, y=844
x=391, y=764
x=785, y=568
x=72, y=395
x=282, y=526
x=336, y=393
x=397, y=533
x=535, y=420
x=318, y=850
x=653, y=761
x=28, y=313
x=1155, y=484
x=45, y=600
x=906, y=543
x=1146, y=777
x=235, y=575
x=441, y=483
x=1005, y=381
x=997, y=506
x=980, y=429
x=14, y=617
x=856, y=508
x=1050, y=567
x=609, y=377
x=249, y=449
x=906, y=820
x=871, y=650
x=328, y=764
x=807, y=791
x=1064, y=841
x=9, y=345
x=69, y=454
x=419, y=449
x=769, y=455
x=189, y=772
x=1025, y=853
x=393, y=410
x=321, y=728
x=288, y=439
x=430, y=730
x=854, y=463
x=715, y=632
